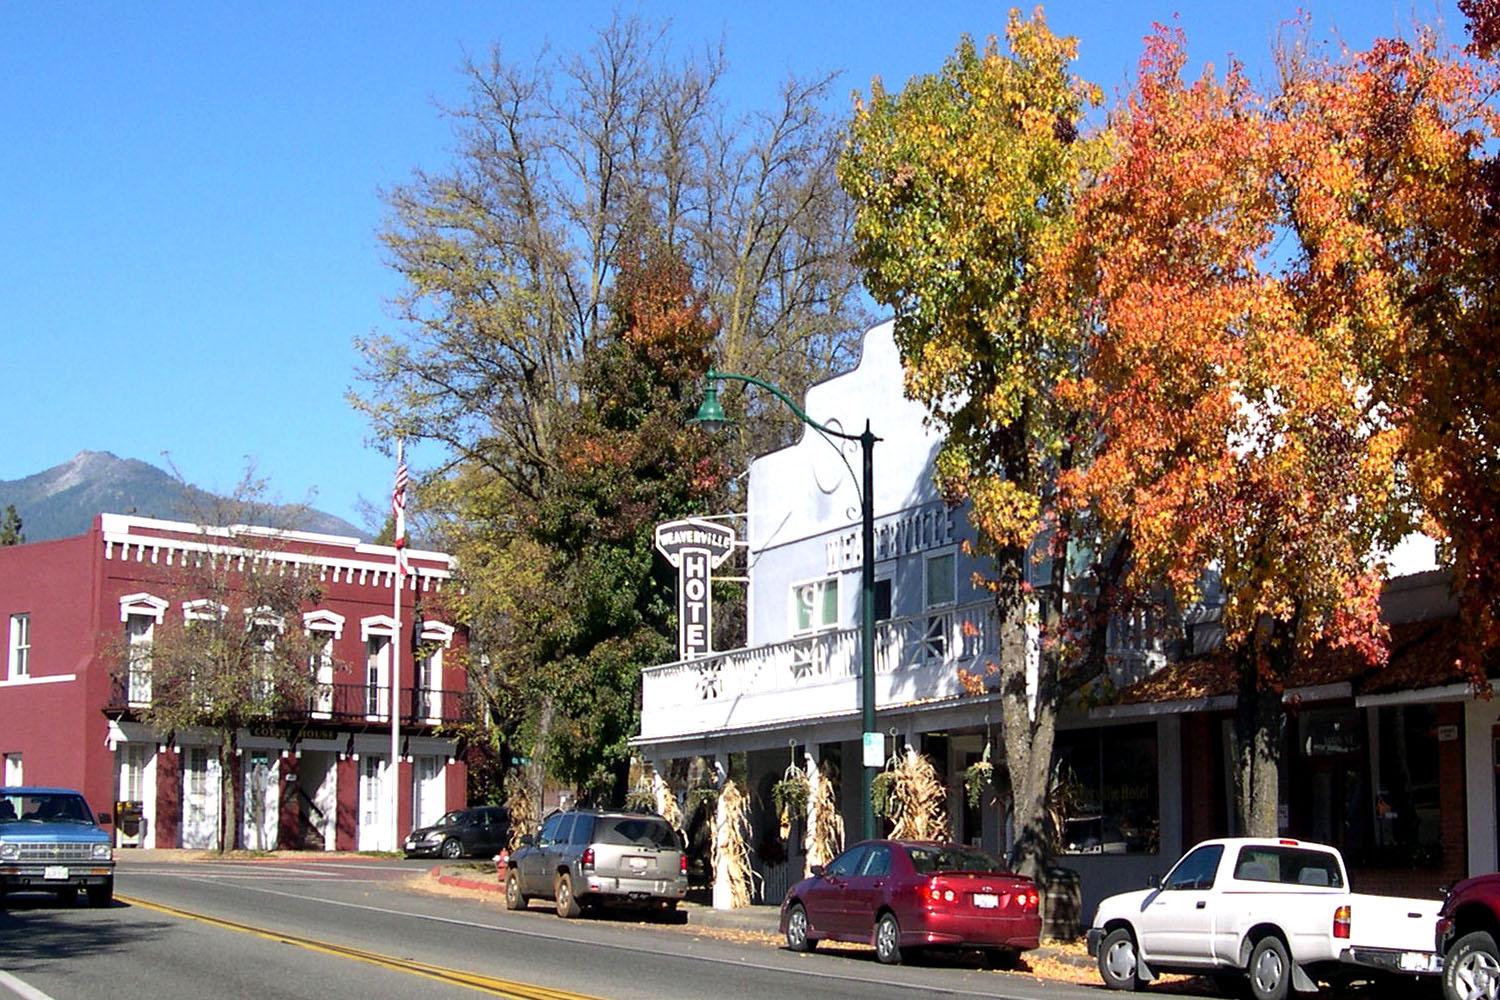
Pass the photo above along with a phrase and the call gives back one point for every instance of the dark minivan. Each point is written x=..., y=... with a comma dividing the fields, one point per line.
x=585, y=857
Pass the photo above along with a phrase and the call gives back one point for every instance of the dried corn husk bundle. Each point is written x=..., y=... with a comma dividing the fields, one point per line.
x=918, y=801
x=731, y=855
x=825, y=828
x=666, y=801
x=521, y=805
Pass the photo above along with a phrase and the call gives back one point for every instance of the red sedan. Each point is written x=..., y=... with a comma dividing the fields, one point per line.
x=906, y=896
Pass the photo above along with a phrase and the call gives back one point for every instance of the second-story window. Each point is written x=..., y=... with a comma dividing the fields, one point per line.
x=321, y=667
x=20, y=646
x=377, y=667
x=940, y=587
x=139, y=630
x=816, y=605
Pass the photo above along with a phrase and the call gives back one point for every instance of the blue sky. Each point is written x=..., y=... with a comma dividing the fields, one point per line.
x=189, y=193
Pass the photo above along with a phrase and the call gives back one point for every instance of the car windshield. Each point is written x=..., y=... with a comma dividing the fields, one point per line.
x=451, y=819
x=44, y=807
x=952, y=859
x=636, y=832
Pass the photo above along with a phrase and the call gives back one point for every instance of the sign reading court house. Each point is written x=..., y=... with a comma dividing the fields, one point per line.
x=694, y=547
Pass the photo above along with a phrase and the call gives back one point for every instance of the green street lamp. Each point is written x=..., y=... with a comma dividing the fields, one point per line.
x=711, y=417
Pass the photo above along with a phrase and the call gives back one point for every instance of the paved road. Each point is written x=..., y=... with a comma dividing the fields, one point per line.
x=335, y=929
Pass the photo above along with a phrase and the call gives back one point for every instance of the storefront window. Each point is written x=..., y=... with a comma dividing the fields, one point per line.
x=1406, y=802
x=1105, y=791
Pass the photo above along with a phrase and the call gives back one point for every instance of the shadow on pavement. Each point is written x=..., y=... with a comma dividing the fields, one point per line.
x=38, y=930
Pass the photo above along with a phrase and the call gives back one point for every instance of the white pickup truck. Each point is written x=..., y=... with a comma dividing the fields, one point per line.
x=1277, y=912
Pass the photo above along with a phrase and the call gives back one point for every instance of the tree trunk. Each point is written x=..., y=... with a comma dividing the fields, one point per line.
x=227, y=785
x=1028, y=722
x=1258, y=724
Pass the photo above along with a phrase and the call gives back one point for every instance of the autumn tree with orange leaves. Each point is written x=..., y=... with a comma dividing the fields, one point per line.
x=1263, y=291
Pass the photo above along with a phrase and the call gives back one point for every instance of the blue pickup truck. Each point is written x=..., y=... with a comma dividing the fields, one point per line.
x=50, y=842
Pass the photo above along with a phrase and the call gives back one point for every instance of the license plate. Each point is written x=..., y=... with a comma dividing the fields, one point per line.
x=986, y=900
x=55, y=873
x=1417, y=961
x=638, y=864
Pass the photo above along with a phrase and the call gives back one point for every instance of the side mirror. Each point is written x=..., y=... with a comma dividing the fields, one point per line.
x=527, y=840
x=817, y=871
x=1153, y=881
x=105, y=819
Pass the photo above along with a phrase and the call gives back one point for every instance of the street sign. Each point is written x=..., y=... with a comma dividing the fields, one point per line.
x=874, y=750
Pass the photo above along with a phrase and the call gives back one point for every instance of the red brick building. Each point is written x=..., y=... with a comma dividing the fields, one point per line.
x=314, y=777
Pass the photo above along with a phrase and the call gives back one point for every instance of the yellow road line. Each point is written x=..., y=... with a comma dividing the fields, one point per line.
x=472, y=980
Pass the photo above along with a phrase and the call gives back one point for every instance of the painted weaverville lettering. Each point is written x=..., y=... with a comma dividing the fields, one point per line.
x=901, y=535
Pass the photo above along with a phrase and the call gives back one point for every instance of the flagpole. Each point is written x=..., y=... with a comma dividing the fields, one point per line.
x=398, y=510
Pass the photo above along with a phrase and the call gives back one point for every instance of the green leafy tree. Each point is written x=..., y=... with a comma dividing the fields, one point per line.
x=963, y=181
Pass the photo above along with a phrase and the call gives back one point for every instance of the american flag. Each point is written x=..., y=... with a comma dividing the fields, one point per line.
x=398, y=510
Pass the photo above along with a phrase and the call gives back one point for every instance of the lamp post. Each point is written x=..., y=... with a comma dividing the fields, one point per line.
x=711, y=417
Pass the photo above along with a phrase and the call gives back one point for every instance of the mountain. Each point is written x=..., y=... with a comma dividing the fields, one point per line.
x=64, y=499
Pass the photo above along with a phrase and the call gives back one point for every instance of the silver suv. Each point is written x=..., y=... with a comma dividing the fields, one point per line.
x=581, y=858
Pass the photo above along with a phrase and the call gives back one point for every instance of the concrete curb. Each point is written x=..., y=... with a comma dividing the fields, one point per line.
x=459, y=882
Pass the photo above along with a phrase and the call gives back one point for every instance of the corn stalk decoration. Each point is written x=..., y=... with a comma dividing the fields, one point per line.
x=825, y=825
x=917, y=801
x=666, y=802
x=731, y=854
x=522, y=808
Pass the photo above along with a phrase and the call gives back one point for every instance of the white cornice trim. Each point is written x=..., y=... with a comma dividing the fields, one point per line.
x=323, y=620
x=435, y=631
x=377, y=625
x=143, y=604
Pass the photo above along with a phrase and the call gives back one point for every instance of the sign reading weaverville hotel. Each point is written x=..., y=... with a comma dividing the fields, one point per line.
x=694, y=547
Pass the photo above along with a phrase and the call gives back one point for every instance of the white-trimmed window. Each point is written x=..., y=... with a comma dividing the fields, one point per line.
x=939, y=592
x=815, y=605
x=435, y=638
x=377, y=669
x=323, y=627
x=378, y=632
x=139, y=632
x=20, y=646
x=940, y=578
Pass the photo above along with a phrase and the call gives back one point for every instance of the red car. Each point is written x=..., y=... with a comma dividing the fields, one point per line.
x=1468, y=938
x=906, y=896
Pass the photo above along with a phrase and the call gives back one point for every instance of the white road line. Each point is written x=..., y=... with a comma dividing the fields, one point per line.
x=264, y=877
x=22, y=989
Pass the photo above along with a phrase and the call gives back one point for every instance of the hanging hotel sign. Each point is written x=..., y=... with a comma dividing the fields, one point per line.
x=694, y=547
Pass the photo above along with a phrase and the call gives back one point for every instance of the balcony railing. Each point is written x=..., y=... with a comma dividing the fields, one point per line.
x=346, y=703
x=917, y=658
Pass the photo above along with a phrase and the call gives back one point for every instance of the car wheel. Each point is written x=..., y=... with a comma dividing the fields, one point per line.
x=1471, y=969
x=1270, y=970
x=453, y=848
x=514, y=898
x=1119, y=966
x=102, y=895
x=888, y=939
x=567, y=903
x=796, y=930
